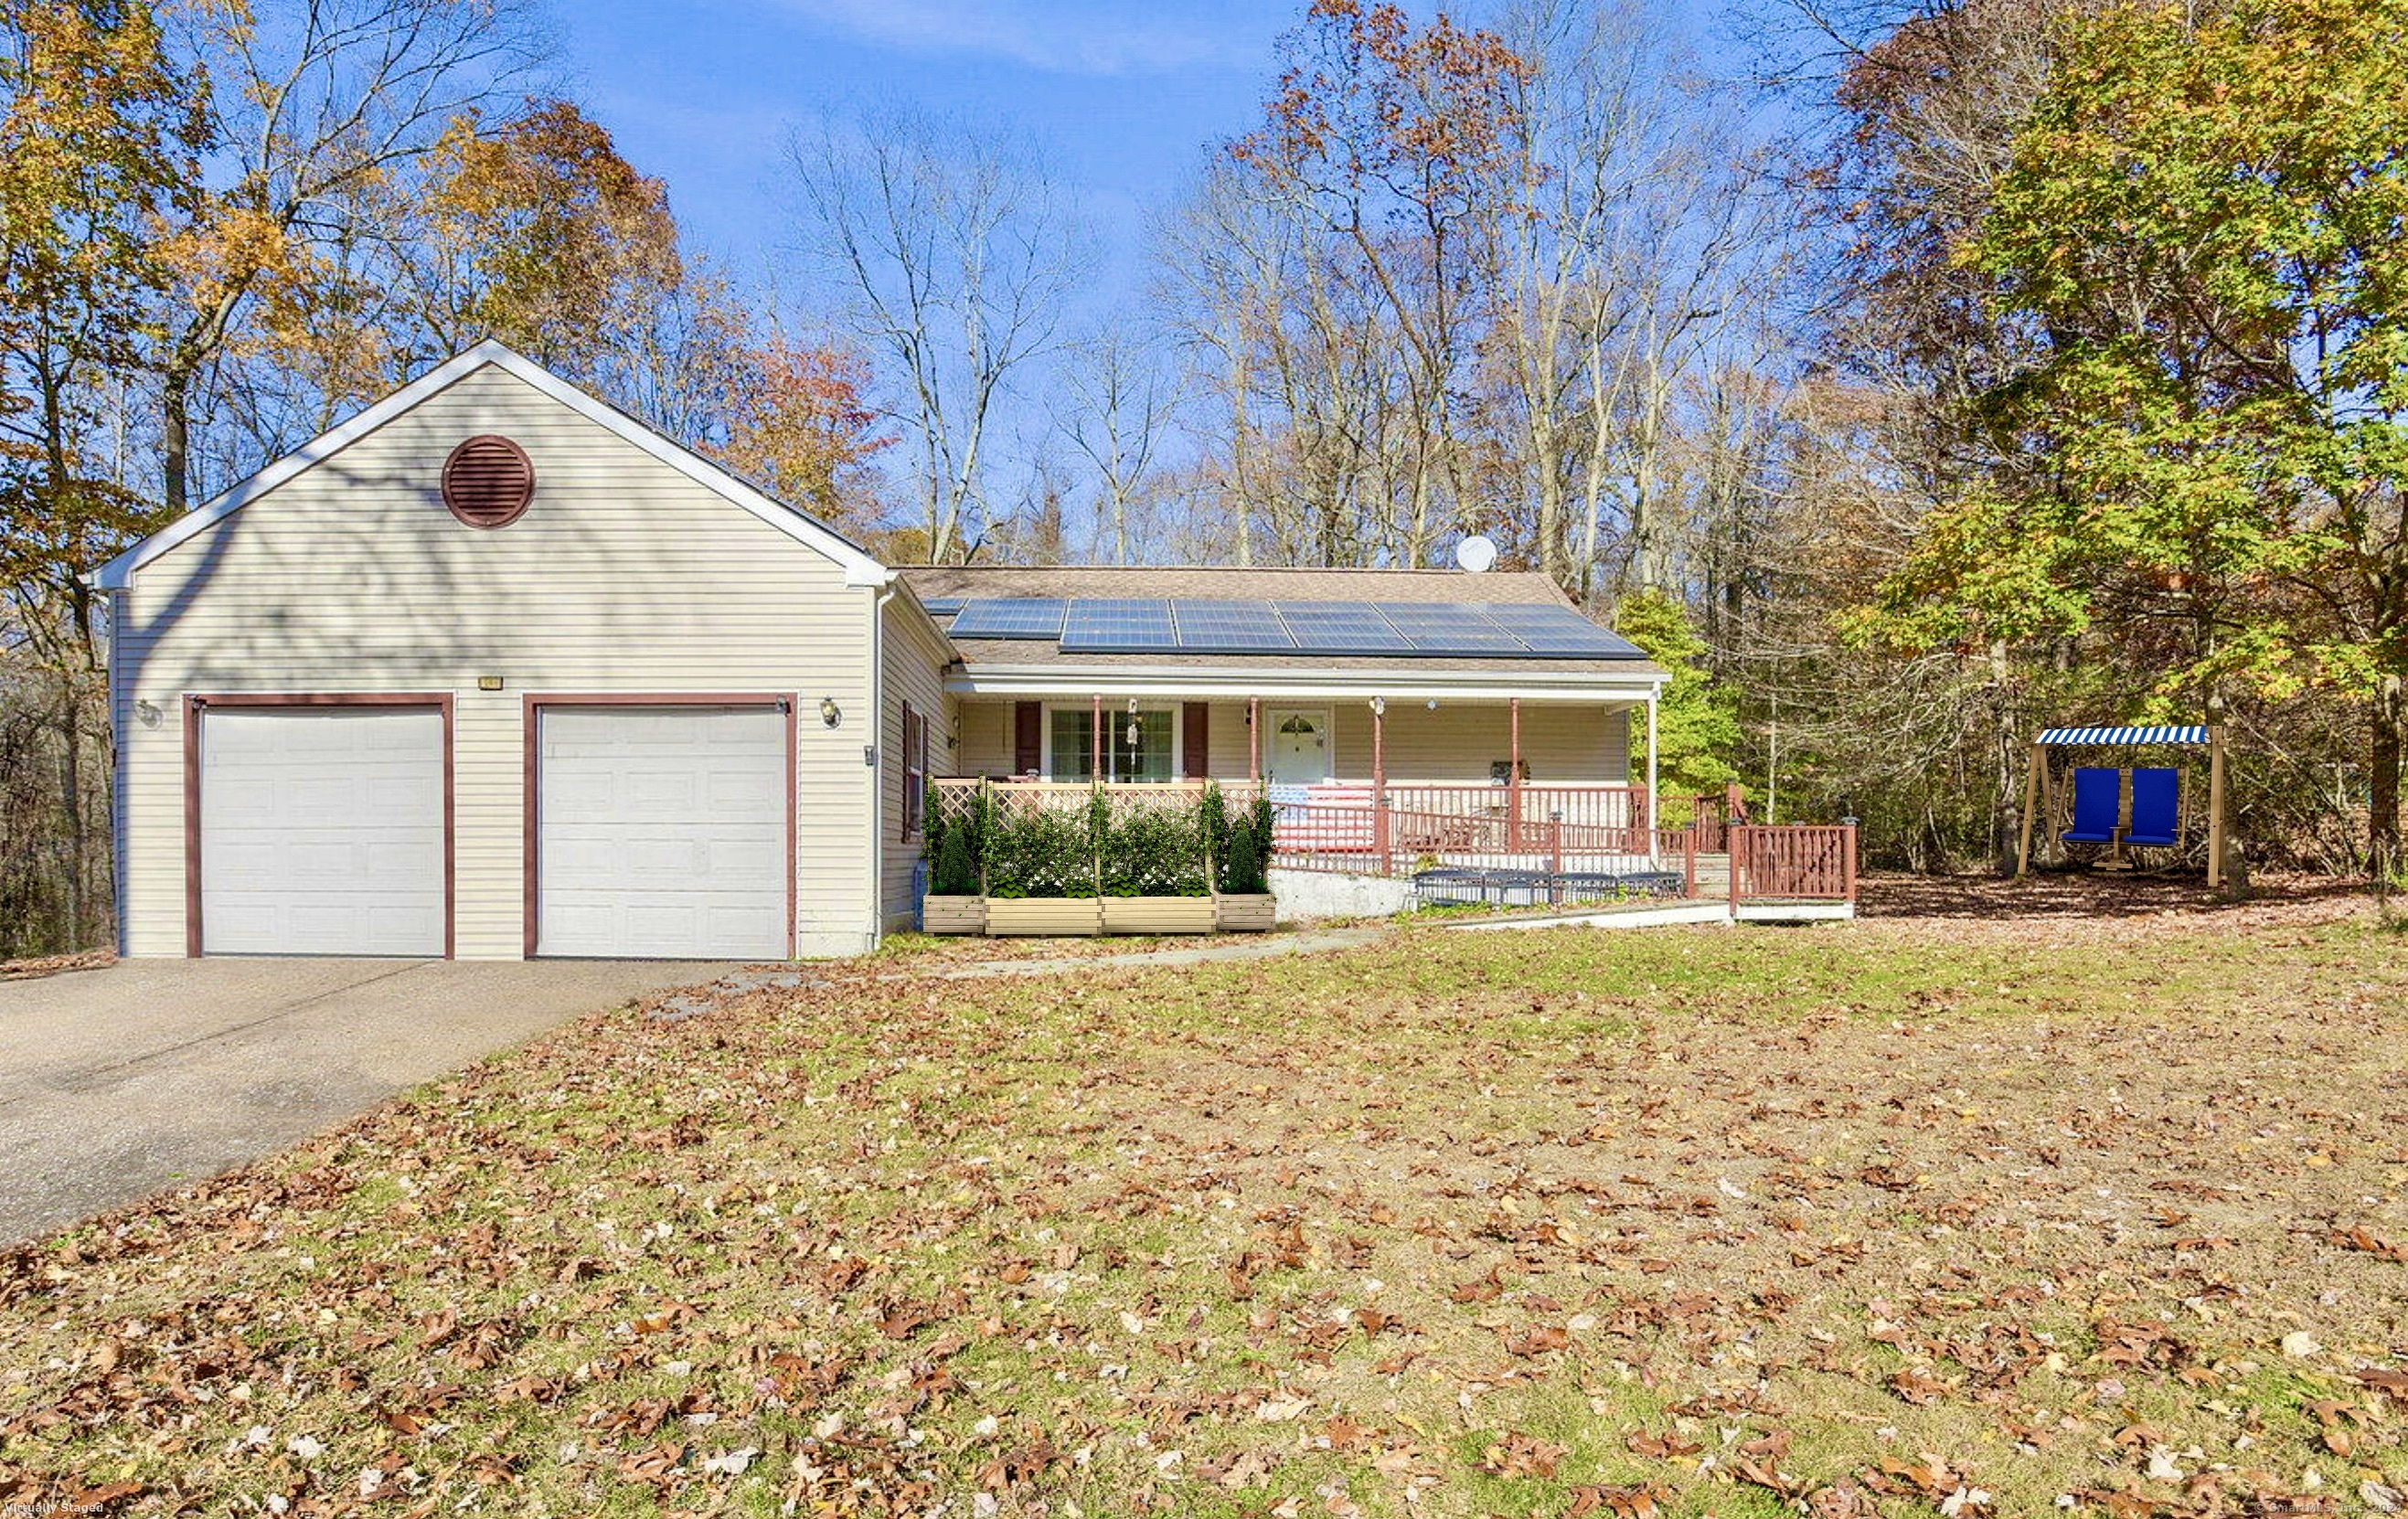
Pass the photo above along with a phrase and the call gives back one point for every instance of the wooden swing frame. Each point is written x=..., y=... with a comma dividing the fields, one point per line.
x=2040, y=793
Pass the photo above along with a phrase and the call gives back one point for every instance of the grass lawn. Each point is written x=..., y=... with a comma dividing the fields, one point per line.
x=2071, y=1211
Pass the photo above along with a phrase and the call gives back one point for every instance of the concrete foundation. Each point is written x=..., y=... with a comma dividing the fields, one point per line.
x=1306, y=894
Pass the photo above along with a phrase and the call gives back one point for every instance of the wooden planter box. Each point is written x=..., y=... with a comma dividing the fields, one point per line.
x=1158, y=914
x=1247, y=913
x=953, y=914
x=1047, y=916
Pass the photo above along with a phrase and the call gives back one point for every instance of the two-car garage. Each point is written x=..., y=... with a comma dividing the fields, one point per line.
x=653, y=825
x=494, y=669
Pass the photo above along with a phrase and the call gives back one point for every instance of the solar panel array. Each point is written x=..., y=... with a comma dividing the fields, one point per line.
x=1014, y=617
x=1344, y=627
x=1135, y=625
x=1123, y=626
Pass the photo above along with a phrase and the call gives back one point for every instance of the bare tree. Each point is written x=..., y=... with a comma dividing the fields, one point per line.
x=957, y=250
x=1640, y=247
x=1117, y=407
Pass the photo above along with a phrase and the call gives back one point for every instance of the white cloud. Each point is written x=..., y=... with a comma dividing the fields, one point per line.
x=1092, y=36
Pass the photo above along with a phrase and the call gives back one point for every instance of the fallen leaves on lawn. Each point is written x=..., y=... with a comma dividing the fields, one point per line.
x=1770, y=1212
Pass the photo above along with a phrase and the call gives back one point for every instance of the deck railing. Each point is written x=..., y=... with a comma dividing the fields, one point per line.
x=1792, y=863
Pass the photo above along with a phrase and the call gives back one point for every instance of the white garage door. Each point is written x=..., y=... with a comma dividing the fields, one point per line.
x=661, y=832
x=321, y=830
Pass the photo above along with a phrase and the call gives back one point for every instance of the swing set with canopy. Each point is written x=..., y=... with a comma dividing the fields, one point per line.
x=2123, y=807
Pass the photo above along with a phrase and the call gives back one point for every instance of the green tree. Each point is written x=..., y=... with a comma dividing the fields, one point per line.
x=98, y=144
x=1697, y=720
x=2204, y=460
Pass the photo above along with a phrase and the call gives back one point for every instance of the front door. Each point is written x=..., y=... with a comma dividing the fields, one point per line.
x=1299, y=749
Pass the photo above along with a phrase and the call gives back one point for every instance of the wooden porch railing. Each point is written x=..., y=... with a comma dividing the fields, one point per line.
x=1792, y=863
x=1561, y=827
x=1713, y=814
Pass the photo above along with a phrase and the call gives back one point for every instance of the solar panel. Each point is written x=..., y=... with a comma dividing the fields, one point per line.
x=942, y=605
x=1013, y=616
x=1560, y=632
x=1340, y=627
x=1444, y=627
x=1118, y=625
x=1229, y=627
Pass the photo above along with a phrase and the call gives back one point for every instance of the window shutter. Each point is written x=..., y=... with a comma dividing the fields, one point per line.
x=1195, y=738
x=1027, y=738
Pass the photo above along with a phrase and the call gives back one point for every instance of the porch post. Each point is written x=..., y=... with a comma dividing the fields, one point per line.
x=1647, y=820
x=1380, y=780
x=1514, y=777
x=1095, y=744
x=1254, y=739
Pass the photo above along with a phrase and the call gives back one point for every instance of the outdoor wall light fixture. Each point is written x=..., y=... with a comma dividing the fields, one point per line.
x=1379, y=706
x=149, y=712
x=830, y=713
x=1433, y=704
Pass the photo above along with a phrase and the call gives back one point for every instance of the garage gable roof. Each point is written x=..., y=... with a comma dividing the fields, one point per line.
x=860, y=568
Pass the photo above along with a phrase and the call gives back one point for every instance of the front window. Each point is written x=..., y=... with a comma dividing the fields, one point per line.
x=1137, y=746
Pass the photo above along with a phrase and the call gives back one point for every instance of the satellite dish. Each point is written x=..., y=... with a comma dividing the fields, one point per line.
x=1475, y=553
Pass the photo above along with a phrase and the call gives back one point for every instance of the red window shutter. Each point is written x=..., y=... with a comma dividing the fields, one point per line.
x=1195, y=738
x=1027, y=738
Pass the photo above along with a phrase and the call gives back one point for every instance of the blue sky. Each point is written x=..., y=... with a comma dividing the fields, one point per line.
x=1127, y=95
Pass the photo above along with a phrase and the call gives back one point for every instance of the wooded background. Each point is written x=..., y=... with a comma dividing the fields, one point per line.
x=1970, y=368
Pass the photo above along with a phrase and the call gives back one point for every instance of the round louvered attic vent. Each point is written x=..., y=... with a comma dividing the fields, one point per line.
x=488, y=482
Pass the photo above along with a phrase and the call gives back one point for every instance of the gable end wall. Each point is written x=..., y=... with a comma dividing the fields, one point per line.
x=623, y=576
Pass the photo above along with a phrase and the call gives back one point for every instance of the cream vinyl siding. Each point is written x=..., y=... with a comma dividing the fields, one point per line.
x=984, y=728
x=915, y=658
x=1560, y=741
x=623, y=576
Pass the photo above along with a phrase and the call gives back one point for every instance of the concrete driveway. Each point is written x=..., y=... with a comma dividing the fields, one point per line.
x=115, y=1083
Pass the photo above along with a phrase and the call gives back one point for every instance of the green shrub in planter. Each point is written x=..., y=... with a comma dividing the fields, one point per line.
x=956, y=873
x=1040, y=852
x=1212, y=816
x=1243, y=873
x=1154, y=852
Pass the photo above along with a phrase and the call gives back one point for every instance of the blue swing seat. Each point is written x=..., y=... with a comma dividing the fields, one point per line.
x=2157, y=795
x=2097, y=803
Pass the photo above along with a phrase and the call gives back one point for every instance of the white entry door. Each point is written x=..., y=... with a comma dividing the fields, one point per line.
x=321, y=830
x=1300, y=748
x=661, y=832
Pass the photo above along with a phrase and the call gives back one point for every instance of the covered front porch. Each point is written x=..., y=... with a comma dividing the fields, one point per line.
x=1360, y=783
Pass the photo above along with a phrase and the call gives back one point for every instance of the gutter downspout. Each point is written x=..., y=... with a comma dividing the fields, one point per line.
x=876, y=760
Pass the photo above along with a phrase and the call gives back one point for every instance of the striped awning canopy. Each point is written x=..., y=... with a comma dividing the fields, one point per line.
x=2164, y=733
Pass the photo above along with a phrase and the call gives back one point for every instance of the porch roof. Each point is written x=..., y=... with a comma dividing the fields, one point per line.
x=1041, y=672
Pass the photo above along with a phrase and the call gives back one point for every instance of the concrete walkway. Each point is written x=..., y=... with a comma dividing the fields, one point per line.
x=1262, y=947
x=117, y=1082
